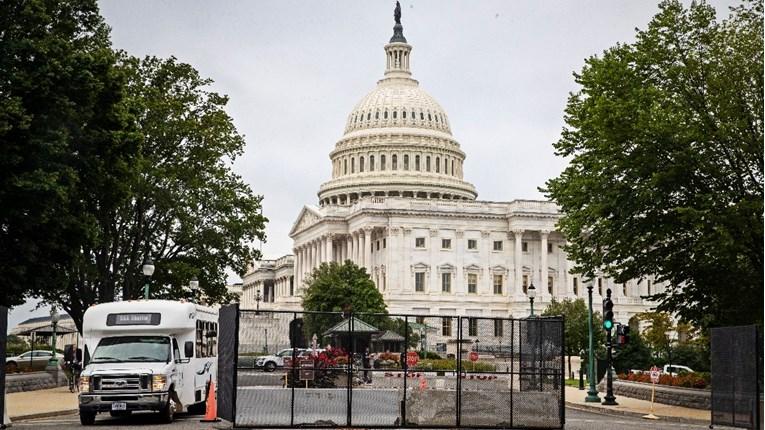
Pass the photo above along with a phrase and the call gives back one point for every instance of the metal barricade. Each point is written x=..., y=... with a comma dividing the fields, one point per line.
x=362, y=370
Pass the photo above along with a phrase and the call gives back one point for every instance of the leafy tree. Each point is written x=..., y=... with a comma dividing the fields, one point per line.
x=666, y=172
x=68, y=141
x=341, y=287
x=185, y=207
x=655, y=334
x=635, y=355
x=576, y=332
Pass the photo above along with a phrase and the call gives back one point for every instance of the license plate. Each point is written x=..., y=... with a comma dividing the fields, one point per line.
x=119, y=406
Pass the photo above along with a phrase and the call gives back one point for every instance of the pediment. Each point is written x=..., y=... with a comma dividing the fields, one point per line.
x=308, y=216
x=472, y=268
x=446, y=267
x=498, y=269
x=420, y=267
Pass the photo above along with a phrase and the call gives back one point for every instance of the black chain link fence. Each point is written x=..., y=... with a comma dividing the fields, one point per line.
x=313, y=369
x=3, y=340
x=737, y=376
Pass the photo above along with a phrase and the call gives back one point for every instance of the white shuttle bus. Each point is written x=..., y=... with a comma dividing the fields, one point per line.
x=155, y=355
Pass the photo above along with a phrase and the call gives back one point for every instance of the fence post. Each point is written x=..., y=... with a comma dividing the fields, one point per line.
x=3, y=339
x=459, y=371
x=405, y=366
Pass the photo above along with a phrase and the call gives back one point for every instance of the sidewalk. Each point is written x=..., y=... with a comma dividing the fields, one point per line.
x=635, y=407
x=41, y=403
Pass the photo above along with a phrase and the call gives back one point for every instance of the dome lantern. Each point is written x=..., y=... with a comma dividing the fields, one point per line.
x=397, y=51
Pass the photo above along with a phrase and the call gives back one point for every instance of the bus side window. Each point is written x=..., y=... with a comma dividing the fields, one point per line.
x=199, y=339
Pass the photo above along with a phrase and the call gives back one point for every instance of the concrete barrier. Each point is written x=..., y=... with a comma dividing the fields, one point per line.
x=676, y=396
x=32, y=381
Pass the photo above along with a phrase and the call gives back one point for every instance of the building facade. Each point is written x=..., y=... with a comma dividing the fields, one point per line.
x=397, y=204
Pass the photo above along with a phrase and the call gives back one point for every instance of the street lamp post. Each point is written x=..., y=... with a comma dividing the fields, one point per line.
x=54, y=318
x=592, y=393
x=148, y=270
x=532, y=292
x=258, y=298
x=194, y=285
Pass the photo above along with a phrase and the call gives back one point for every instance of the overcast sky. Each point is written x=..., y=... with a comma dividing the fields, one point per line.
x=294, y=70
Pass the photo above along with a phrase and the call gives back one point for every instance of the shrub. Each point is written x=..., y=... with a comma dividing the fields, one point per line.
x=427, y=355
x=389, y=356
x=688, y=380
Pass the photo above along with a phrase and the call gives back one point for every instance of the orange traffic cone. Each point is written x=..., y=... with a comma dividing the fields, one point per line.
x=211, y=415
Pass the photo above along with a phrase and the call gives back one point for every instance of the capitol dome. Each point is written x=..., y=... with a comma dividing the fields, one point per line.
x=397, y=142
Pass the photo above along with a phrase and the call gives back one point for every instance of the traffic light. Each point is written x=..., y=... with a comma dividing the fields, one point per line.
x=622, y=335
x=608, y=311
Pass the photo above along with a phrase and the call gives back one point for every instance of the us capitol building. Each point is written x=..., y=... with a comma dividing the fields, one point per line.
x=397, y=203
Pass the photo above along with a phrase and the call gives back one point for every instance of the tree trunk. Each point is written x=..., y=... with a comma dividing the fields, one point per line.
x=570, y=370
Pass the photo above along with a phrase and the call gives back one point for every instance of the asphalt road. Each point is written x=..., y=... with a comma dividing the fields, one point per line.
x=575, y=420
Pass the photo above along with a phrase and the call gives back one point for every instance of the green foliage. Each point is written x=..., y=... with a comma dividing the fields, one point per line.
x=636, y=355
x=576, y=332
x=658, y=325
x=338, y=287
x=108, y=159
x=666, y=172
x=428, y=355
x=15, y=345
x=68, y=142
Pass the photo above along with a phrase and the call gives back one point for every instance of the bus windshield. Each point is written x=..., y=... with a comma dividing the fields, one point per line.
x=132, y=348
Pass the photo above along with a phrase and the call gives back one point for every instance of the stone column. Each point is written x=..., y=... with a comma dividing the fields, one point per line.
x=348, y=247
x=459, y=282
x=368, y=248
x=543, y=270
x=435, y=283
x=518, y=265
x=392, y=280
x=404, y=274
x=486, y=278
x=328, y=241
x=296, y=264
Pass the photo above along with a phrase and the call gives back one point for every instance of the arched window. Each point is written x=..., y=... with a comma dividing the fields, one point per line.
x=452, y=167
x=382, y=161
x=369, y=116
x=353, y=165
x=427, y=163
x=417, y=163
x=446, y=165
x=438, y=165
x=345, y=166
x=422, y=116
x=394, y=114
x=394, y=161
x=436, y=118
x=385, y=115
x=377, y=114
x=371, y=163
x=413, y=115
x=403, y=114
x=361, y=164
x=429, y=119
x=406, y=162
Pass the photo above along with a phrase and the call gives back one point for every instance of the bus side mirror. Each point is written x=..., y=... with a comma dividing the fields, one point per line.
x=188, y=349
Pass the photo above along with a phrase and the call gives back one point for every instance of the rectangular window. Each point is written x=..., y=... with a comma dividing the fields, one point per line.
x=525, y=246
x=419, y=242
x=550, y=284
x=498, y=245
x=446, y=326
x=419, y=282
x=292, y=285
x=420, y=320
x=576, y=286
x=549, y=248
x=472, y=327
x=600, y=286
x=624, y=289
x=446, y=282
x=525, y=283
x=498, y=328
x=382, y=162
x=378, y=245
x=472, y=244
x=497, y=284
x=649, y=287
x=472, y=283
x=446, y=244
x=384, y=243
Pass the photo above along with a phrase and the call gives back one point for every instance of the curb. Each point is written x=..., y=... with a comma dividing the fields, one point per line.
x=604, y=411
x=42, y=415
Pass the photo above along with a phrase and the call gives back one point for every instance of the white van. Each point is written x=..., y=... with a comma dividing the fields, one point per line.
x=156, y=355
